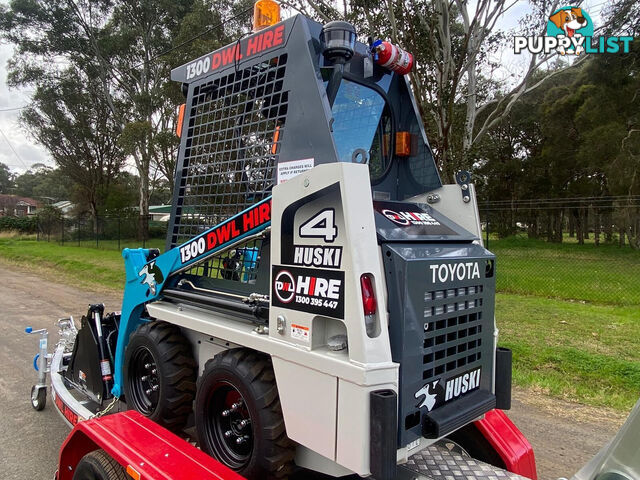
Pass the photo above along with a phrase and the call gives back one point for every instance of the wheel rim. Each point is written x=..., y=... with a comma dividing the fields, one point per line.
x=144, y=381
x=228, y=426
x=34, y=397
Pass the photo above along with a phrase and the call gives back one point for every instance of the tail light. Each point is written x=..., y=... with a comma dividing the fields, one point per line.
x=369, y=303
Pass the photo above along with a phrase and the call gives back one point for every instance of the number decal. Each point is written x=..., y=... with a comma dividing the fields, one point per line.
x=198, y=67
x=192, y=250
x=322, y=225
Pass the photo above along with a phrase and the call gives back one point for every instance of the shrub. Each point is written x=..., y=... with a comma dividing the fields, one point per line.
x=20, y=224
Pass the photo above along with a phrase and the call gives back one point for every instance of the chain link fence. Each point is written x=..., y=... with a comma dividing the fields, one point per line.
x=582, y=249
x=108, y=231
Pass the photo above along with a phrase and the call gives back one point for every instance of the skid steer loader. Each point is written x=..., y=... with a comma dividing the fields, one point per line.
x=324, y=301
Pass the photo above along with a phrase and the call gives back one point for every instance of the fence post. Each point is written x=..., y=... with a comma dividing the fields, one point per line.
x=97, y=222
x=37, y=229
x=62, y=230
x=487, y=241
x=118, y=232
x=78, y=229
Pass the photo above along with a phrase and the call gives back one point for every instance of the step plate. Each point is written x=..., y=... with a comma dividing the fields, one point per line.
x=437, y=462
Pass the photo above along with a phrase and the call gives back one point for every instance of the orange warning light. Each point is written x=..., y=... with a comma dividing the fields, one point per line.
x=180, y=120
x=403, y=144
x=276, y=138
x=265, y=14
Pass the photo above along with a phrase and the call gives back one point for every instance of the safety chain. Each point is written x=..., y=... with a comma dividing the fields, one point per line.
x=107, y=408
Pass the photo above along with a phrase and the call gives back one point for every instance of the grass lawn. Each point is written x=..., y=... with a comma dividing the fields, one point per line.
x=606, y=274
x=570, y=313
x=574, y=350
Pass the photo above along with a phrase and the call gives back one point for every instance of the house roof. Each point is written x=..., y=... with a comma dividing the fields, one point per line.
x=4, y=198
x=160, y=209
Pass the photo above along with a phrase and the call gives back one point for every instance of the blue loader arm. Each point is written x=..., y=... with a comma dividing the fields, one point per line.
x=146, y=277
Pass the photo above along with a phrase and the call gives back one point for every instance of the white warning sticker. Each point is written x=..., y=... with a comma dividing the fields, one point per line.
x=105, y=367
x=300, y=332
x=288, y=170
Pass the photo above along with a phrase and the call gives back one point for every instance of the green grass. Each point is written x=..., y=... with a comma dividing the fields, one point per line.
x=77, y=265
x=581, y=352
x=606, y=274
x=114, y=244
x=570, y=313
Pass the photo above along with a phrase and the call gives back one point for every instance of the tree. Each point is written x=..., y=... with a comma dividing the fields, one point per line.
x=71, y=118
x=42, y=183
x=6, y=179
x=125, y=48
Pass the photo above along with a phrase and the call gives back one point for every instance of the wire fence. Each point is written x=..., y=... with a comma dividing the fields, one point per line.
x=107, y=231
x=580, y=249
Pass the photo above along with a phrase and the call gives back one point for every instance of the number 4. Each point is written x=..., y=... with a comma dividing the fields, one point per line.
x=322, y=225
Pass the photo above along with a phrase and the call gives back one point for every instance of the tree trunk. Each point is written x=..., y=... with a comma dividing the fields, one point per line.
x=608, y=226
x=621, y=237
x=585, y=223
x=580, y=226
x=144, y=205
x=596, y=230
x=572, y=225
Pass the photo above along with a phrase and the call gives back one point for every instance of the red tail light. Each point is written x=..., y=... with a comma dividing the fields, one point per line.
x=369, y=302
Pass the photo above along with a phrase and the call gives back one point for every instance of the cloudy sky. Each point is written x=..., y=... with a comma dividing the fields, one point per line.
x=27, y=151
x=19, y=151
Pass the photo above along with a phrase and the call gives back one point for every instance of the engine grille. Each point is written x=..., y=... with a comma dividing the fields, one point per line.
x=440, y=330
x=452, y=330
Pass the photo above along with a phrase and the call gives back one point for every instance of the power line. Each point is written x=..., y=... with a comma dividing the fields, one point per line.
x=11, y=109
x=14, y=150
x=201, y=34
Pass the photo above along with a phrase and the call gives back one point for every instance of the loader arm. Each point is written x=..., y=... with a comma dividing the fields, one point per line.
x=147, y=275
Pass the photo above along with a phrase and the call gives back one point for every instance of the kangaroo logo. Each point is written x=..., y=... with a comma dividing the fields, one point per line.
x=152, y=276
x=429, y=398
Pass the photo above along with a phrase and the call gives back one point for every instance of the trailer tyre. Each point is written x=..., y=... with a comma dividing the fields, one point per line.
x=97, y=465
x=238, y=416
x=38, y=397
x=160, y=374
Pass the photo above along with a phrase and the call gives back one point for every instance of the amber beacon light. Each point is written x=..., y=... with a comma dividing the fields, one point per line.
x=265, y=14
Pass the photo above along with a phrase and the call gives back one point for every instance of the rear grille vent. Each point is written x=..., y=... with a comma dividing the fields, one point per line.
x=452, y=330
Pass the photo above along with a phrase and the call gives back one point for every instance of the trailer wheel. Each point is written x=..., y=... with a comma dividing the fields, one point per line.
x=38, y=397
x=471, y=440
x=160, y=374
x=97, y=465
x=239, y=418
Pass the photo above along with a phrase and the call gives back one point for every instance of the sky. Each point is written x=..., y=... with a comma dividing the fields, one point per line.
x=27, y=151
x=20, y=151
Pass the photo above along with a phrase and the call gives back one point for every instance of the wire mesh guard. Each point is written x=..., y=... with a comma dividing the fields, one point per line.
x=236, y=122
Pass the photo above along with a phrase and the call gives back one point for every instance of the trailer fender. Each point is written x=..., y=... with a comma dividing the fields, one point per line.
x=145, y=449
x=509, y=442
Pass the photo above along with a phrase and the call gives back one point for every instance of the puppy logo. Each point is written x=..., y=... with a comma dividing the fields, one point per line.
x=429, y=398
x=151, y=276
x=565, y=23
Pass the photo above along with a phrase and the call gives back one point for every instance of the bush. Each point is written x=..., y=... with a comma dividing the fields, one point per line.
x=20, y=224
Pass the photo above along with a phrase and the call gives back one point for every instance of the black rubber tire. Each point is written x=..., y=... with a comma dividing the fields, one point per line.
x=39, y=398
x=478, y=447
x=97, y=465
x=173, y=371
x=251, y=375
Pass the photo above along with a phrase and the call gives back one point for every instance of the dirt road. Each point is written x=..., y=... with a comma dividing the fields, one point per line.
x=564, y=435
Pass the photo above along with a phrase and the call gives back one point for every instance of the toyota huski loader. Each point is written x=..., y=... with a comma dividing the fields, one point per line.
x=324, y=301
